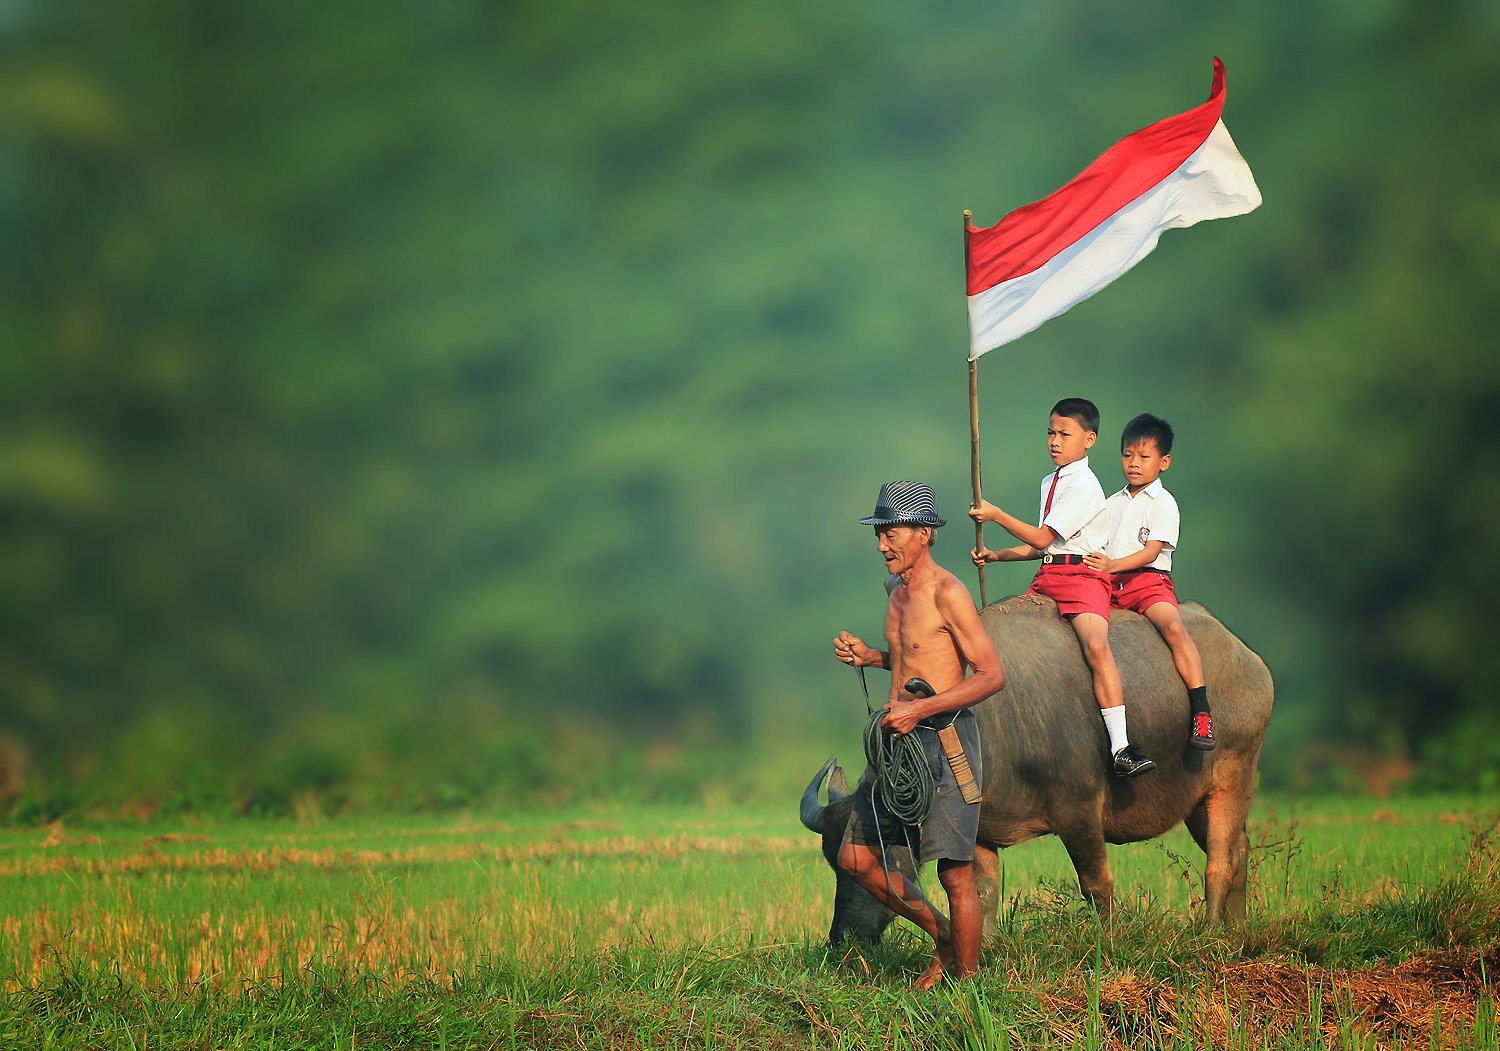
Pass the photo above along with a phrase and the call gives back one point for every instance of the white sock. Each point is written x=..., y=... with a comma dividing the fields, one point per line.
x=1114, y=722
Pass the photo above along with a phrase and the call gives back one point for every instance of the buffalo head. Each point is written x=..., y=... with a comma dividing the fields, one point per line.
x=855, y=912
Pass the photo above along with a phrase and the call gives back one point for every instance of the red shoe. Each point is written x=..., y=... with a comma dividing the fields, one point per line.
x=1202, y=737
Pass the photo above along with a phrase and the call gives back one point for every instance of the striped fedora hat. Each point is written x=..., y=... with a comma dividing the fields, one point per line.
x=904, y=503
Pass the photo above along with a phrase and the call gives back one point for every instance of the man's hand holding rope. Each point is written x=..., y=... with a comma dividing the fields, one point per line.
x=851, y=649
x=902, y=716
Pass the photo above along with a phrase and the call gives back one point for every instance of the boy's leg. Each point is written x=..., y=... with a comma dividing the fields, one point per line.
x=1184, y=650
x=1190, y=666
x=1093, y=638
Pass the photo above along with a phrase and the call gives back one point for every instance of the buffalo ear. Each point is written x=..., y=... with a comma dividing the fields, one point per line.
x=838, y=786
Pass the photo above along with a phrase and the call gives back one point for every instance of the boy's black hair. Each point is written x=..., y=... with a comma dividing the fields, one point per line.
x=1080, y=409
x=1147, y=426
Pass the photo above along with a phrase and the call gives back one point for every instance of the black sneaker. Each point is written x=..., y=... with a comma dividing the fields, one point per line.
x=1202, y=737
x=1129, y=762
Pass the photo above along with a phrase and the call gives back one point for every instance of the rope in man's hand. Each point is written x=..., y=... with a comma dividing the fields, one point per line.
x=900, y=765
x=902, y=777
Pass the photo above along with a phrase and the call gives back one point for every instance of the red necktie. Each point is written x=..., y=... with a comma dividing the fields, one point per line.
x=1047, y=508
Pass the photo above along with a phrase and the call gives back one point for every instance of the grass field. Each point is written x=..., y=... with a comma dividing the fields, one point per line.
x=1372, y=924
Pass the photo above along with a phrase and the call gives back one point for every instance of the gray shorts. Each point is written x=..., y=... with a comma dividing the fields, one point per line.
x=951, y=825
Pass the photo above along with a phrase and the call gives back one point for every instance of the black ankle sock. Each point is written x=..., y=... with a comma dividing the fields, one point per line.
x=1198, y=699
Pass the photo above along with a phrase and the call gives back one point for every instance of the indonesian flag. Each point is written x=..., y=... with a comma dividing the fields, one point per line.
x=1044, y=257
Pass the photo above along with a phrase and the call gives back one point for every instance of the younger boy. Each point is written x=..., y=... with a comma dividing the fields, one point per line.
x=1144, y=525
x=1074, y=523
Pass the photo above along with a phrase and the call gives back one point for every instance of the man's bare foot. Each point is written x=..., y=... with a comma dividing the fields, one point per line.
x=943, y=961
x=931, y=976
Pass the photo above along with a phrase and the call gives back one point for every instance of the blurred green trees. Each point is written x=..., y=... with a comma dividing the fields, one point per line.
x=479, y=399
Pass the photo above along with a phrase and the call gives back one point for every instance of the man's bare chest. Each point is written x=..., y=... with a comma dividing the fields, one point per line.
x=914, y=630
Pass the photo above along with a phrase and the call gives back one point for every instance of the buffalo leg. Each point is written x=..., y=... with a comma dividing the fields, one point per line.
x=1234, y=900
x=1228, y=849
x=1197, y=825
x=987, y=883
x=1085, y=846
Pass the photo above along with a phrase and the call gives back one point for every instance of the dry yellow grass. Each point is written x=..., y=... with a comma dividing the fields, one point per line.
x=236, y=917
x=650, y=918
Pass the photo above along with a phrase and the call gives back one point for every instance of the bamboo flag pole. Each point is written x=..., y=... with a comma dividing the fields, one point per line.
x=974, y=424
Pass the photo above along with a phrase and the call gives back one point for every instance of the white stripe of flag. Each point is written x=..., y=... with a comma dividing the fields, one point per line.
x=1047, y=256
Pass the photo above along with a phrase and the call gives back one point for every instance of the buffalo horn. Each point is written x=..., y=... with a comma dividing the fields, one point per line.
x=812, y=810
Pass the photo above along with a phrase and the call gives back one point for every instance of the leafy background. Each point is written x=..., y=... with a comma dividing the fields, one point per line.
x=459, y=403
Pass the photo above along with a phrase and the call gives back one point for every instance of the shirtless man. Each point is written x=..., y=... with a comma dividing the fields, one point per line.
x=932, y=632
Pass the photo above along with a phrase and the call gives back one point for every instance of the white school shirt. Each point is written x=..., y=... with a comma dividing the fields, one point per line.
x=1135, y=520
x=1078, y=516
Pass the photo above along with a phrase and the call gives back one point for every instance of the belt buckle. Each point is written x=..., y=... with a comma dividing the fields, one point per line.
x=1048, y=560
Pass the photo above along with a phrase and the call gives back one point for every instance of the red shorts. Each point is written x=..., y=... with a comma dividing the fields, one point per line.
x=1140, y=589
x=1075, y=589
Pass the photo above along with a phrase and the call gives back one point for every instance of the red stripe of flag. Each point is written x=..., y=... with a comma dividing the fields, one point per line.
x=1033, y=234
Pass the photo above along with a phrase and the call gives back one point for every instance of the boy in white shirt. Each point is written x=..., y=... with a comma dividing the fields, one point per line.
x=1074, y=523
x=1144, y=526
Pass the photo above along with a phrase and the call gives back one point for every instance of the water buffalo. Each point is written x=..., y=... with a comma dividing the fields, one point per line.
x=1046, y=751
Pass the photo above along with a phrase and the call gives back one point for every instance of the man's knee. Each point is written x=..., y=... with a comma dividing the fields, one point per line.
x=956, y=875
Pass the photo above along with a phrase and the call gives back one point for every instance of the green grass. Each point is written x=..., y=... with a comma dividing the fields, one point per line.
x=1372, y=924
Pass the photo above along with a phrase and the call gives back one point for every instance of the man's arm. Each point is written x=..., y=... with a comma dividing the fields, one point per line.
x=973, y=644
x=1144, y=557
x=1037, y=536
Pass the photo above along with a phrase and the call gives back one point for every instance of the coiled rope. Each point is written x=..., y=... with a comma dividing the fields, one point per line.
x=901, y=771
x=902, y=778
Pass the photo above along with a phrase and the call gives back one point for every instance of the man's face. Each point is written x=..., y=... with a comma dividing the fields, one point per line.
x=901, y=545
x=1142, y=461
x=1067, y=441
